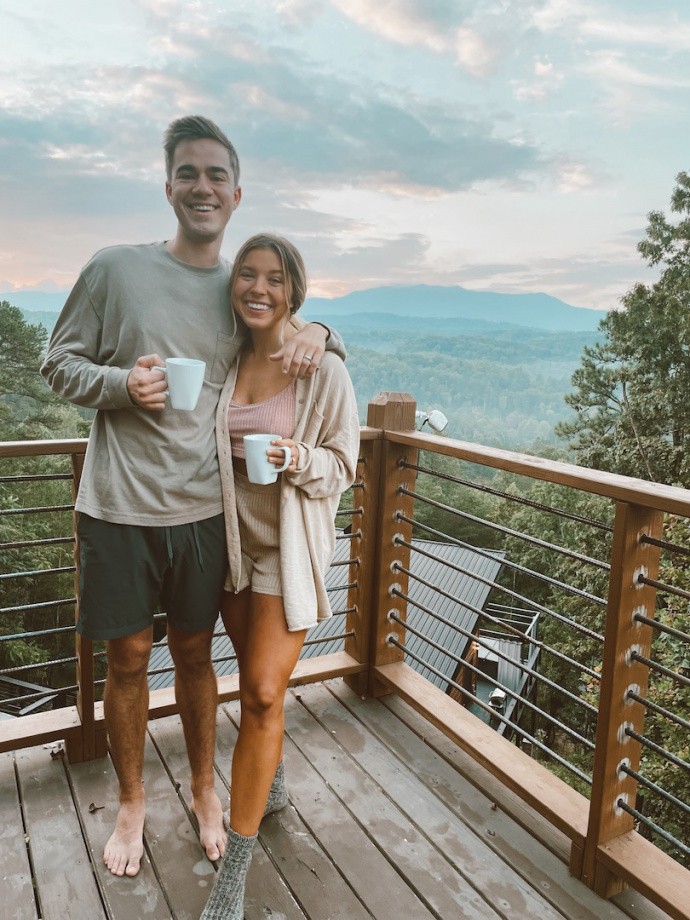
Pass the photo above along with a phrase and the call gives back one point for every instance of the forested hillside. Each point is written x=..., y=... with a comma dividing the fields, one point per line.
x=502, y=385
x=497, y=383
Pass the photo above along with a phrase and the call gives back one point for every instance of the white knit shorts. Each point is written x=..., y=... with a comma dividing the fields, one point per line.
x=258, y=510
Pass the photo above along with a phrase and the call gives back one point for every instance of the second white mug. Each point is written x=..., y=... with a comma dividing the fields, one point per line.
x=259, y=467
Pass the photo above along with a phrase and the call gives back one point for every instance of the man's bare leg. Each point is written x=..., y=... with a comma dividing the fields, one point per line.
x=126, y=705
x=196, y=692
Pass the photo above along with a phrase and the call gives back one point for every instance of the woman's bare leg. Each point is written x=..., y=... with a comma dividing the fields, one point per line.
x=267, y=653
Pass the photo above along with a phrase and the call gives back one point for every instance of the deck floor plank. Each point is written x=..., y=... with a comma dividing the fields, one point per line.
x=95, y=783
x=180, y=864
x=17, y=900
x=540, y=868
x=486, y=784
x=387, y=821
x=64, y=877
x=471, y=873
x=323, y=892
x=266, y=888
x=630, y=902
x=384, y=892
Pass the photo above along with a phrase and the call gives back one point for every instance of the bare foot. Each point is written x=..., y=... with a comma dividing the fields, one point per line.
x=209, y=813
x=123, y=852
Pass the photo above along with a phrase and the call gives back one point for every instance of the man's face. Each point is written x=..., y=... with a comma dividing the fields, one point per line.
x=202, y=189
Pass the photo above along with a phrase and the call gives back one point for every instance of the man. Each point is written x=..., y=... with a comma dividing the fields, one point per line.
x=150, y=522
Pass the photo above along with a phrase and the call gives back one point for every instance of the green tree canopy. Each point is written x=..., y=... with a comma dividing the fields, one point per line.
x=29, y=410
x=631, y=391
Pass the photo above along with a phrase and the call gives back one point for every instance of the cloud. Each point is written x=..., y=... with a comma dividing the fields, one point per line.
x=611, y=67
x=81, y=160
x=297, y=13
x=632, y=94
x=364, y=262
x=589, y=21
x=442, y=28
x=575, y=177
x=654, y=31
x=584, y=279
x=545, y=81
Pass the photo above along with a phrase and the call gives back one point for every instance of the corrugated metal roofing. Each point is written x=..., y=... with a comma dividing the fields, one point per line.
x=463, y=590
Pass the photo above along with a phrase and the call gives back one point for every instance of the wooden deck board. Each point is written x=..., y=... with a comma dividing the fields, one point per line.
x=383, y=823
x=15, y=872
x=266, y=888
x=94, y=783
x=65, y=882
x=401, y=840
x=631, y=902
x=376, y=884
x=470, y=872
x=323, y=892
x=180, y=864
x=535, y=864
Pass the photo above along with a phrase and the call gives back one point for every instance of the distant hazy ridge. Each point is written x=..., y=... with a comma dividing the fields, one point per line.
x=498, y=365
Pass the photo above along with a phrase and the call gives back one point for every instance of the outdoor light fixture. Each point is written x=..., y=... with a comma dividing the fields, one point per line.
x=435, y=418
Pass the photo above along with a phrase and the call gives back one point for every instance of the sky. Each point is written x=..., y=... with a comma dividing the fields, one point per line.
x=506, y=145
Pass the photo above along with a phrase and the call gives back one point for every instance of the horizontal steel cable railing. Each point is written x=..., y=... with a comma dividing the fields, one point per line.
x=36, y=585
x=482, y=705
x=654, y=799
x=582, y=711
x=548, y=723
x=507, y=563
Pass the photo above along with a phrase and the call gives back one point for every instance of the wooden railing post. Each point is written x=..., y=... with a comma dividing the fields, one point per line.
x=361, y=597
x=90, y=742
x=620, y=673
x=387, y=412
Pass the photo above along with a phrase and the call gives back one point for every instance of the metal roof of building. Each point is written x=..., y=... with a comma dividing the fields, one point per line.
x=464, y=591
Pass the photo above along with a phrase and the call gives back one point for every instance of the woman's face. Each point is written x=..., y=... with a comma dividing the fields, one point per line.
x=259, y=291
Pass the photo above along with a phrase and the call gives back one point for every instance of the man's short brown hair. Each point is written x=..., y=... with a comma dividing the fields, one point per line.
x=194, y=128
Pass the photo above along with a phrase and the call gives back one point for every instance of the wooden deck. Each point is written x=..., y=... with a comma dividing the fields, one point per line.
x=388, y=821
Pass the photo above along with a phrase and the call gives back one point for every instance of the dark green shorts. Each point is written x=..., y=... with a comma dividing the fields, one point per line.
x=128, y=573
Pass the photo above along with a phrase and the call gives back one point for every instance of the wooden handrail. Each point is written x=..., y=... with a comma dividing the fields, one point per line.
x=42, y=448
x=671, y=499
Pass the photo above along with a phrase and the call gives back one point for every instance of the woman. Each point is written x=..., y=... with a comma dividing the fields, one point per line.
x=281, y=536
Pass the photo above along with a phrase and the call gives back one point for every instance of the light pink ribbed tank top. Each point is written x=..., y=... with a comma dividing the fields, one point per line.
x=275, y=415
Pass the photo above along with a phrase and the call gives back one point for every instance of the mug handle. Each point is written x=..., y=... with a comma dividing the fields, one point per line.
x=288, y=457
x=163, y=370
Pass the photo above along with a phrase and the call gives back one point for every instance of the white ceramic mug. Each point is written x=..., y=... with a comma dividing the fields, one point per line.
x=259, y=467
x=185, y=380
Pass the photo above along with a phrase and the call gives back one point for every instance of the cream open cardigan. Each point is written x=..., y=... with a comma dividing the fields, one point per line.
x=327, y=435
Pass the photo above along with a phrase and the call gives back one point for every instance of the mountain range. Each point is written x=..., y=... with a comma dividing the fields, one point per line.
x=401, y=306
x=537, y=311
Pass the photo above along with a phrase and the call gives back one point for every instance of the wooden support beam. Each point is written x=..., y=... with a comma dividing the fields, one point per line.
x=388, y=412
x=91, y=741
x=40, y=728
x=620, y=673
x=360, y=598
x=650, y=871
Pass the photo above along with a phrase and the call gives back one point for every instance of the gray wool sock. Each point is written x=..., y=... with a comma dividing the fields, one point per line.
x=277, y=796
x=226, y=901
